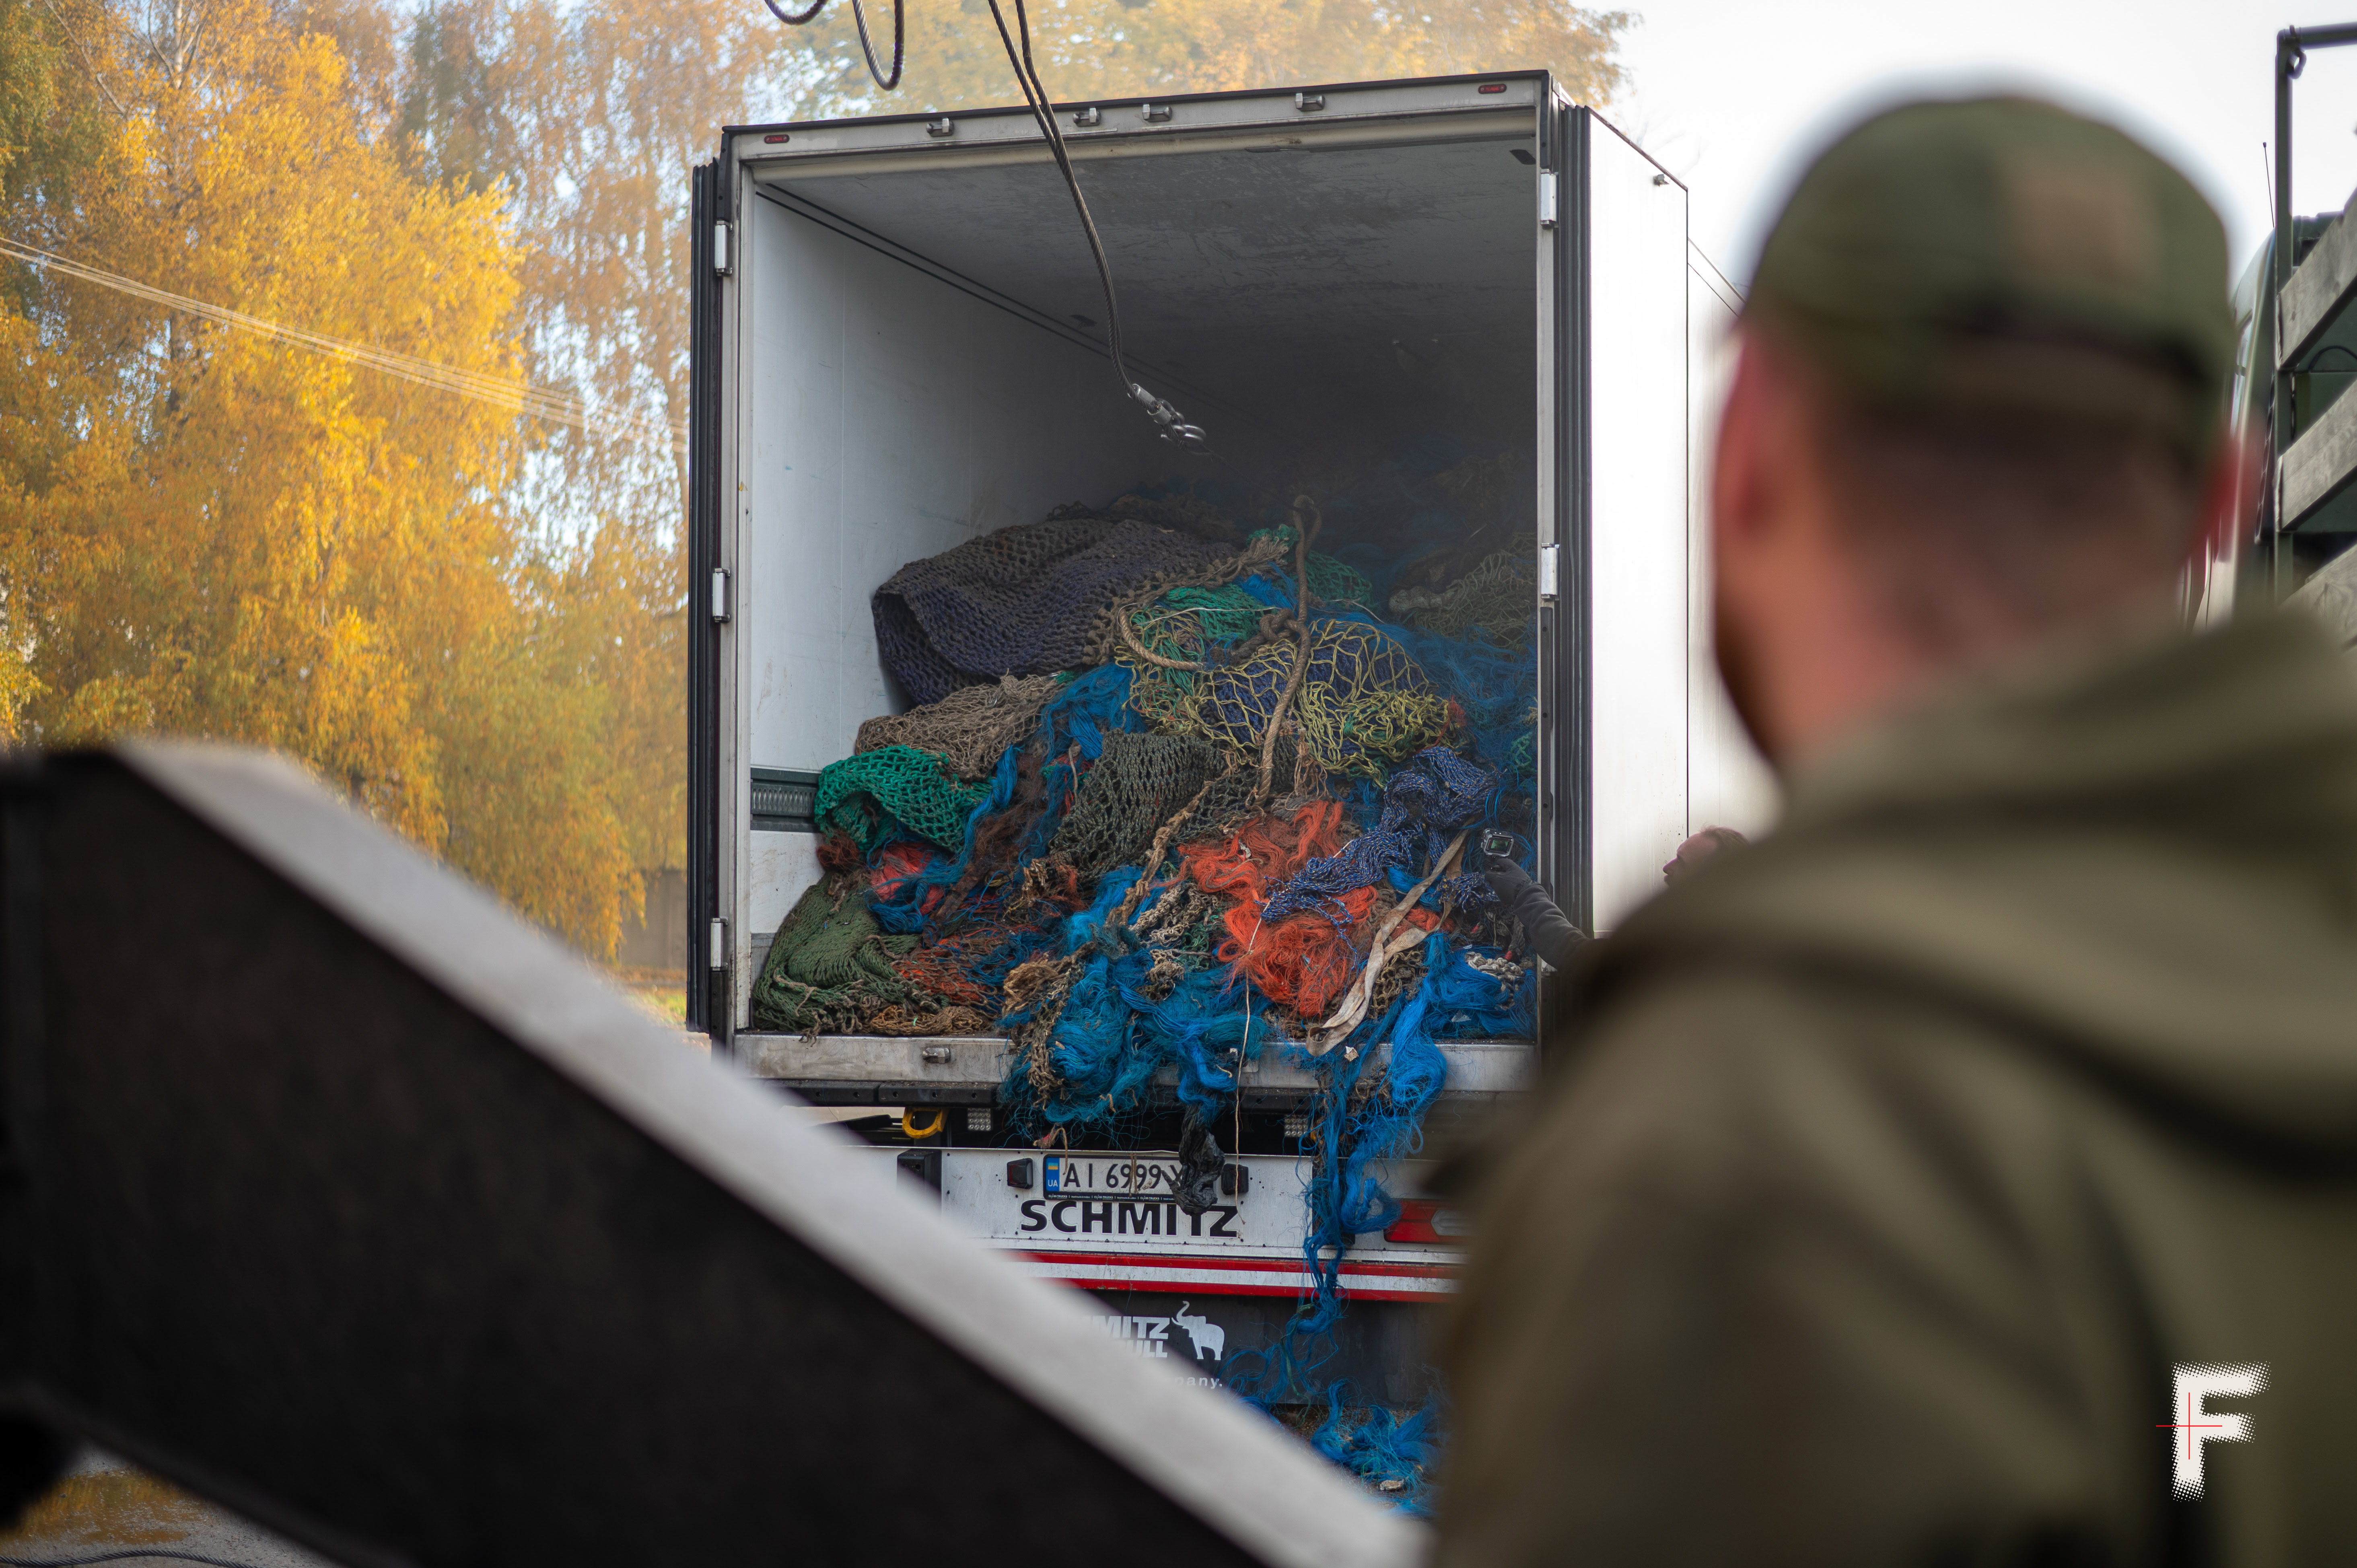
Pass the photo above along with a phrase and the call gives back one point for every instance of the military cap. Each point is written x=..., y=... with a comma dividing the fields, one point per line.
x=2005, y=258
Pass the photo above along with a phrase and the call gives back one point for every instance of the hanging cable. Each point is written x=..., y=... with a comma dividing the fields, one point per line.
x=1173, y=424
x=859, y=17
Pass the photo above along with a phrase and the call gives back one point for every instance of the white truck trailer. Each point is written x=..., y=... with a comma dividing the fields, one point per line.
x=897, y=349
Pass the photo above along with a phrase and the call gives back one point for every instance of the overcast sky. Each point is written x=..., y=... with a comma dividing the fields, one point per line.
x=1730, y=94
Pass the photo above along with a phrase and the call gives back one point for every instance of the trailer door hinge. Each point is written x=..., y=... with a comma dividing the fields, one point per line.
x=1550, y=566
x=719, y=956
x=719, y=594
x=1550, y=186
x=720, y=259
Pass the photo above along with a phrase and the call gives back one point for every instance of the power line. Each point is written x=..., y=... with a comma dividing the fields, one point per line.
x=1711, y=287
x=1724, y=282
x=514, y=395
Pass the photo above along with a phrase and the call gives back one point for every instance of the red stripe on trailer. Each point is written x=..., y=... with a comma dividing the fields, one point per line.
x=1237, y=1276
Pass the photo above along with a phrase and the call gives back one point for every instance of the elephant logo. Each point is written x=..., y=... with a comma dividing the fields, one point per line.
x=1205, y=1334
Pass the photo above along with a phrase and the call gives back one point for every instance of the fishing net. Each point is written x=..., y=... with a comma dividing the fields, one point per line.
x=828, y=967
x=1493, y=689
x=1185, y=625
x=1363, y=702
x=1095, y=1024
x=1020, y=809
x=1140, y=782
x=1227, y=800
x=1300, y=964
x=1496, y=600
x=1329, y=578
x=1094, y=863
x=971, y=726
x=867, y=795
x=1438, y=791
x=1025, y=600
x=1393, y=1453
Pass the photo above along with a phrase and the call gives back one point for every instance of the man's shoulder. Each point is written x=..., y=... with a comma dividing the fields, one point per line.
x=1732, y=1084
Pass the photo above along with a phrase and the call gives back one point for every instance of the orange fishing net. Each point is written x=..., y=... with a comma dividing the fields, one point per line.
x=945, y=967
x=1302, y=962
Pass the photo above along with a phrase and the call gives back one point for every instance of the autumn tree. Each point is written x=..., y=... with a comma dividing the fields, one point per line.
x=205, y=533
x=1104, y=48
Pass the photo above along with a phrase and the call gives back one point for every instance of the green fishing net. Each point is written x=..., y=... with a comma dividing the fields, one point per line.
x=1140, y=782
x=1328, y=579
x=828, y=967
x=865, y=795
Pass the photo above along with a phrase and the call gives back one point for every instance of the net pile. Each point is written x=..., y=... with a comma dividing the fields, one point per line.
x=1179, y=795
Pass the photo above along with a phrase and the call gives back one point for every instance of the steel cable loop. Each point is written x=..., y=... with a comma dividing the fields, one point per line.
x=1174, y=424
x=866, y=47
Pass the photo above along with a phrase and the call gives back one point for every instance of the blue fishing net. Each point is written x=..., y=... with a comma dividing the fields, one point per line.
x=1435, y=792
x=1393, y=1454
x=1118, y=1030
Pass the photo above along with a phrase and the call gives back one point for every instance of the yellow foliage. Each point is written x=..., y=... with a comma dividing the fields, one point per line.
x=203, y=532
x=1109, y=48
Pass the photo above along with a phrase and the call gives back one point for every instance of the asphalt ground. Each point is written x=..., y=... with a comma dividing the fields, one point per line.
x=106, y=1509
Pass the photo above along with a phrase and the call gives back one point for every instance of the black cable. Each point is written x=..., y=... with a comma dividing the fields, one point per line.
x=1174, y=424
x=118, y=1557
x=859, y=16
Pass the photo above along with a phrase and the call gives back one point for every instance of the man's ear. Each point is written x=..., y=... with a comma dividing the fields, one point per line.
x=1737, y=480
x=1764, y=436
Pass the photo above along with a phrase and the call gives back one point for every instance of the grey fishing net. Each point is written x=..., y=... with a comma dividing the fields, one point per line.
x=1140, y=783
x=971, y=726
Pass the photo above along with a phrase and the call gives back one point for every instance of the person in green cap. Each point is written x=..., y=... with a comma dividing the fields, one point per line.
x=1967, y=1172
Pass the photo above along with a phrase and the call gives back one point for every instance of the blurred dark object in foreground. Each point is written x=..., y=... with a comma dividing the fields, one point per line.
x=330, y=1190
x=32, y=1457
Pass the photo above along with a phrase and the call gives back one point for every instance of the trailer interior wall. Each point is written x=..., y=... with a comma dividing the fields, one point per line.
x=887, y=415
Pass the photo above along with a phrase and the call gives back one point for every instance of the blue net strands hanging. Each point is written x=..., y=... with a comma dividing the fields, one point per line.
x=1358, y=1125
